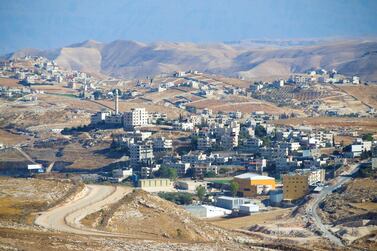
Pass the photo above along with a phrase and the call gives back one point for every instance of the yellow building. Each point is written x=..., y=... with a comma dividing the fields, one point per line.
x=295, y=186
x=251, y=184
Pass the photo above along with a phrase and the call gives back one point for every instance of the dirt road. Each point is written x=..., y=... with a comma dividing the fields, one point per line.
x=67, y=217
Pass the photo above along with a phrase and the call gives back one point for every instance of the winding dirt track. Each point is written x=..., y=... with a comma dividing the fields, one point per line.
x=67, y=217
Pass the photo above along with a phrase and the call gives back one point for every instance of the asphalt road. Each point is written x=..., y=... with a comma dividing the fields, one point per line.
x=312, y=209
x=67, y=217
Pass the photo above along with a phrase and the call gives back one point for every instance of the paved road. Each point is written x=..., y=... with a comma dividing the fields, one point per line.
x=312, y=209
x=67, y=217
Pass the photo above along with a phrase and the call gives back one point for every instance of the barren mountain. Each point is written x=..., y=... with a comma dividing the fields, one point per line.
x=130, y=59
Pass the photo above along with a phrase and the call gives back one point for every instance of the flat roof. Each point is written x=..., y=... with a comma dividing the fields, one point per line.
x=253, y=176
x=232, y=198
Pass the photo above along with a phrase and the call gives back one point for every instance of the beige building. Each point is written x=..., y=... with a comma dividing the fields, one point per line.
x=154, y=183
x=295, y=186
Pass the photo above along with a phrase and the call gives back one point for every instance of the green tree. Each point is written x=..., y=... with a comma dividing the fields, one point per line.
x=266, y=141
x=368, y=137
x=172, y=173
x=200, y=192
x=234, y=186
x=209, y=174
x=179, y=198
x=166, y=172
x=260, y=131
x=160, y=121
x=194, y=142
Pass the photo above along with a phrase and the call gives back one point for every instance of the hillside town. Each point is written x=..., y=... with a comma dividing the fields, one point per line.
x=212, y=162
x=188, y=125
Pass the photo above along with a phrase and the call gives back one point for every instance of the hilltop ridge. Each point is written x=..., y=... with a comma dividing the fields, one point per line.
x=250, y=60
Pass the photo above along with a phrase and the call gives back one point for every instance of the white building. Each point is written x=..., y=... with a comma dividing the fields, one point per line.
x=121, y=174
x=186, y=126
x=204, y=143
x=207, y=211
x=374, y=163
x=146, y=171
x=99, y=117
x=355, y=80
x=181, y=168
x=162, y=144
x=135, y=118
x=314, y=175
x=141, y=153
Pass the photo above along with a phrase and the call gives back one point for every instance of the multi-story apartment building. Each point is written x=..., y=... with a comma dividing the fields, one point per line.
x=137, y=117
x=162, y=144
x=141, y=154
x=204, y=143
x=295, y=186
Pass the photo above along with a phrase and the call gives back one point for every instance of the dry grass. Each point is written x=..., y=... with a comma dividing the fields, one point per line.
x=56, y=88
x=8, y=138
x=8, y=82
x=362, y=124
x=80, y=157
x=158, y=96
x=11, y=155
x=20, y=197
x=346, y=140
x=366, y=94
x=239, y=104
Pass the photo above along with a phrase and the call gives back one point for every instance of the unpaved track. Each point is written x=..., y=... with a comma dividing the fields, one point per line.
x=67, y=217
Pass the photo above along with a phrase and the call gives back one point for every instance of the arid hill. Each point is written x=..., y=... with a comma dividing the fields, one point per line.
x=130, y=59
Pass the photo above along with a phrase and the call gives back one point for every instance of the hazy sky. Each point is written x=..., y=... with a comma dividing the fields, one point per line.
x=56, y=23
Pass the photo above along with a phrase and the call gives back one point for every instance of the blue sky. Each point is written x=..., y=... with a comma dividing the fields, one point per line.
x=55, y=23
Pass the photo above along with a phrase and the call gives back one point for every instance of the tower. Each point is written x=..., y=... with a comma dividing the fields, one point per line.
x=116, y=102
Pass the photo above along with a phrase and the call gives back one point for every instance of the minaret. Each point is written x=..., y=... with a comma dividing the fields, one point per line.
x=116, y=102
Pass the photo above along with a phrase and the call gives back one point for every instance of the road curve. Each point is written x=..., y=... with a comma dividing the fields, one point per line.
x=67, y=217
x=312, y=209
